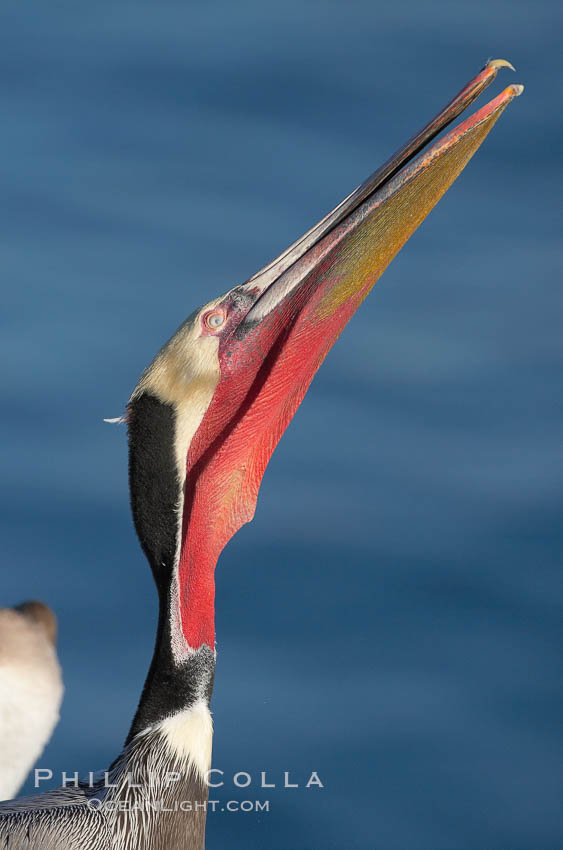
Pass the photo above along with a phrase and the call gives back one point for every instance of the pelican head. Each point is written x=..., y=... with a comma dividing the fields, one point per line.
x=208, y=412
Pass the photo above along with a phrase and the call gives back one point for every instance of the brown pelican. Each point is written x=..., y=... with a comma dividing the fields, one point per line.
x=31, y=690
x=203, y=422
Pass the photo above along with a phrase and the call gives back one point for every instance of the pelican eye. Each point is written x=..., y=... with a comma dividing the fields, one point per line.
x=214, y=320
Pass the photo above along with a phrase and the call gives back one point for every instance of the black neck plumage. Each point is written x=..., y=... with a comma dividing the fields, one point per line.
x=171, y=685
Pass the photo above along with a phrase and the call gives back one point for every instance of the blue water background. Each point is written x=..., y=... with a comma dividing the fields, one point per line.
x=392, y=617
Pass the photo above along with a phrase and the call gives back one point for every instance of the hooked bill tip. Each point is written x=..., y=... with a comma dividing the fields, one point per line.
x=499, y=63
x=516, y=89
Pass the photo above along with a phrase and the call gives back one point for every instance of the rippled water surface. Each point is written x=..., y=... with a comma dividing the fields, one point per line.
x=391, y=619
